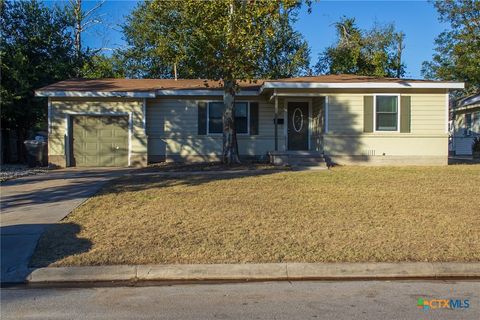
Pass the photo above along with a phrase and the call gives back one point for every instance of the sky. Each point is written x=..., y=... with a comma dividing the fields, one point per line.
x=417, y=19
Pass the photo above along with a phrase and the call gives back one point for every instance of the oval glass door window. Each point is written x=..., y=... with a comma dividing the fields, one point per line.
x=297, y=120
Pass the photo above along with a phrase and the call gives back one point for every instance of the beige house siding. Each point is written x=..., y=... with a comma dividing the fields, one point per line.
x=172, y=131
x=62, y=109
x=427, y=141
x=171, y=128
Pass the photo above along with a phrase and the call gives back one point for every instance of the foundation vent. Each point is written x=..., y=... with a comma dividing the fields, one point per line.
x=369, y=152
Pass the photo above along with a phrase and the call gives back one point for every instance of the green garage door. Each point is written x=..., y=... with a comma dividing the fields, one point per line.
x=100, y=141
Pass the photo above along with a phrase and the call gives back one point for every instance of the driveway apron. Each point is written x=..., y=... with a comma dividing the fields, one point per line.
x=31, y=204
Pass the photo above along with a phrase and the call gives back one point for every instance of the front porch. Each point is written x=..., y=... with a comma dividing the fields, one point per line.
x=299, y=125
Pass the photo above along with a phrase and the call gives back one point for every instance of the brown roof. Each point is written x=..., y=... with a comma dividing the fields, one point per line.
x=143, y=85
x=348, y=78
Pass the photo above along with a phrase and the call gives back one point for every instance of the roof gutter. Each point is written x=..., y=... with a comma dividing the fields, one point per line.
x=362, y=85
x=206, y=92
x=266, y=85
x=95, y=94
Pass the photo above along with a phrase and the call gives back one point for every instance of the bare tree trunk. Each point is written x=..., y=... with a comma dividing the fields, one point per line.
x=230, y=144
x=399, y=54
x=82, y=21
x=77, y=12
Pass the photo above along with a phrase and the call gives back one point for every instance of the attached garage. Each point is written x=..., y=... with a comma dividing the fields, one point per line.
x=99, y=141
x=97, y=131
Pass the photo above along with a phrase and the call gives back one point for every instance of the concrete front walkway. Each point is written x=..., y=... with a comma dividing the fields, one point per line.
x=30, y=204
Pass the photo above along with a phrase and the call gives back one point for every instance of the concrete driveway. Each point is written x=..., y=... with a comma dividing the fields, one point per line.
x=30, y=204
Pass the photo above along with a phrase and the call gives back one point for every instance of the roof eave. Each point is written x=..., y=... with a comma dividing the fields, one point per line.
x=95, y=94
x=363, y=85
x=203, y=92
x=266, y=85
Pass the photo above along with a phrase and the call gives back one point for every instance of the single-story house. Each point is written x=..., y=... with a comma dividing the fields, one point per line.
x=465, y=124
x=349, y=118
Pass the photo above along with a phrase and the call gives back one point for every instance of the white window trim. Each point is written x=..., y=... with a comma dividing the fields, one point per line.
x=221, y=133
x=447, y=109
x=375, y=112
x=49, y=116
x=67, y=142
x=144, y=117
x=326, y=114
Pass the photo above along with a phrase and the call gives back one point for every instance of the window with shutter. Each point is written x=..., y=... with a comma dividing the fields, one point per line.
x=368, y=114
x=405, y=114
x=215, y=117
x=202, y=118
x=386, y=113
x=253, y=118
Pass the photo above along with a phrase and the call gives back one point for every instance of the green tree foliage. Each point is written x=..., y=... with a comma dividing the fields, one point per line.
x=36, y=50
x=287, y=54
x=285, y=51
x=224, y=40
x=457, y=55
x=143, y=58
x=100, y=66
x=374, y=52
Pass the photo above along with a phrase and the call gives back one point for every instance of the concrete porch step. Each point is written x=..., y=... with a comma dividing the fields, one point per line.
x=297, y=153
x=307, y=159
x=298, y=158
x=308, y=164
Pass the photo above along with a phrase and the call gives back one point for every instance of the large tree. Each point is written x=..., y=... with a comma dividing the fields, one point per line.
x=143, y=57
x=287, y=53
x=373, y=52
x=81, y=21
x=457, y=51
x=35, y=50
x=224, y=40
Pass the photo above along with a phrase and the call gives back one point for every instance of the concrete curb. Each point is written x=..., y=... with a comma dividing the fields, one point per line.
x=264, y=271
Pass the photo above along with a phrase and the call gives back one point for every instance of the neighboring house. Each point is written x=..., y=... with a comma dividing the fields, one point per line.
x=465, y=124
x=352, y=119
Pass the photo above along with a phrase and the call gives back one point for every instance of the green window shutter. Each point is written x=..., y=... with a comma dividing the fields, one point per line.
x=253, y=118
x=368, y=114
x=405, y=114
x=202, y=118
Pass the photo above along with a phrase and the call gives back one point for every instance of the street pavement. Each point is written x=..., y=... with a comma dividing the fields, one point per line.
x=31, y=204
x=257, y=300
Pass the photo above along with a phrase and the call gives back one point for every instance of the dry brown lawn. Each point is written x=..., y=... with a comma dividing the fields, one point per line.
x=344, y=214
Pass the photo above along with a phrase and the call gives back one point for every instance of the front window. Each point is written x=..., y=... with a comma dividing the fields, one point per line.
x=241, y=117
x=386, y=114
x=215, y=113
x=215, y=122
